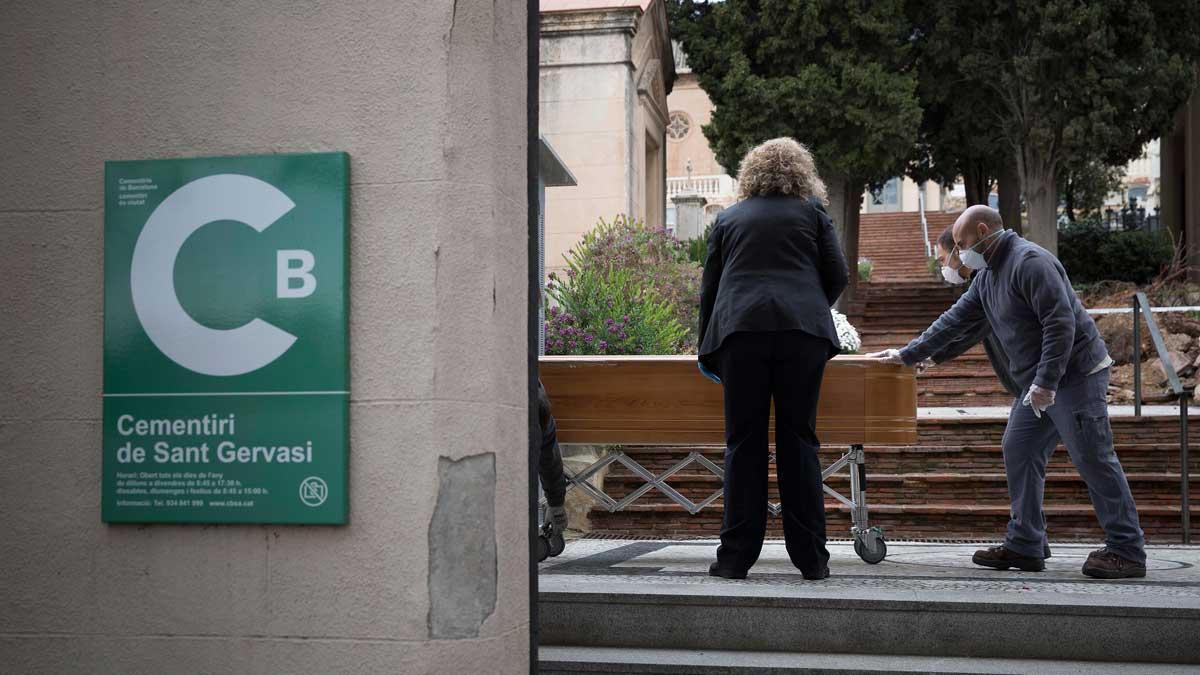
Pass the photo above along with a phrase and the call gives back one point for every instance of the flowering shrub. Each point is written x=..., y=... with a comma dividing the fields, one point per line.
x=629, y=289
x=847, y=334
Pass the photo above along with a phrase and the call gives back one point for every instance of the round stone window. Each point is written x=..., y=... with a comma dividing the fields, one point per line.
x=679, y=126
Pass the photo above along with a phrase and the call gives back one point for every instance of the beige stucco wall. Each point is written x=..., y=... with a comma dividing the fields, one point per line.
x=595, y=118
x=428, y=99
x=689, y=98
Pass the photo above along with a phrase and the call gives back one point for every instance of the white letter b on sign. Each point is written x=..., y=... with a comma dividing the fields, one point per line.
x=287, y=271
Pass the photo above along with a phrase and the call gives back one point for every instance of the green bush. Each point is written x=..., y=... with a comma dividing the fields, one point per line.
x=629, y=289
x=1091, y=252
x=864, y=269
x=697, y=247
x=934, y=266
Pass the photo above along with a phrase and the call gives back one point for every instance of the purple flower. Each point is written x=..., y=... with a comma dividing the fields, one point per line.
x=602, y=345
x=587, y=339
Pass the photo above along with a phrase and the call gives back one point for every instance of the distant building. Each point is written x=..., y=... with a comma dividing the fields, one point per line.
x=690, y=109
x=904, y=194
x=1142, y=181
x=606, y=70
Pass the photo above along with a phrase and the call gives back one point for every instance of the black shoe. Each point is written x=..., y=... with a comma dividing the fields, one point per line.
x=1106, y=564
x=1001, y=558
x=1046, y=551
x=715, y=570
x=823, y=574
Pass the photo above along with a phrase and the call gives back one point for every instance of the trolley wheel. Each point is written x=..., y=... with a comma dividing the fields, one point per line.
x=543, y=545
x=869, y=557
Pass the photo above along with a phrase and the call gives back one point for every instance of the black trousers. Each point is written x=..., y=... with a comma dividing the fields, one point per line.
x=550, y=465
x=756, y=367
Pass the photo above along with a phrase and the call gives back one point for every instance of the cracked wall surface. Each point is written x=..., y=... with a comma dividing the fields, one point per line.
x=428, y=98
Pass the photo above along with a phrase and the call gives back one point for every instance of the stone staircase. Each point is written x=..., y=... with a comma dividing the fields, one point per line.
x=951, y=485
x=891, y=313
x=895, y=243
x=903, y=298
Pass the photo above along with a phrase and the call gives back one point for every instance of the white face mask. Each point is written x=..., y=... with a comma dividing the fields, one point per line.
x=972, y=258
x=952, y=276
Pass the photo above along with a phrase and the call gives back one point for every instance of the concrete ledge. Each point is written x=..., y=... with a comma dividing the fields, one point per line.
x=802, y=623
x=574, y=659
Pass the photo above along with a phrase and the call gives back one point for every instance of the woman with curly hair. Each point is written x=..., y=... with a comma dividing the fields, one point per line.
x=773, y=270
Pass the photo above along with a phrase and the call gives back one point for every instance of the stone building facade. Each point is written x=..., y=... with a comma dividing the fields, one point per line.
x=606, y=70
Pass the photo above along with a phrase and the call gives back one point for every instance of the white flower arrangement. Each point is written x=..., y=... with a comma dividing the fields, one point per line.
x=847, y=334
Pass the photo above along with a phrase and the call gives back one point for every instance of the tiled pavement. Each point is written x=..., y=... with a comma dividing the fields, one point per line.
x=914, y=569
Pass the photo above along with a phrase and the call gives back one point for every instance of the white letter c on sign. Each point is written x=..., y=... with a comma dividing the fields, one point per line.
x=152, y=275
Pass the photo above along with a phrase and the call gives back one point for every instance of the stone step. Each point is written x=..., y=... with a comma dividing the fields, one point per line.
x=1073, y=522
x=810, y=619
x=991, y=489
x=561, y=660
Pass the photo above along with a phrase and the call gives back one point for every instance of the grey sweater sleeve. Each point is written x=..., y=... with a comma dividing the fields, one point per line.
x=1045, y=289
x=964, y=317
x=959, y=344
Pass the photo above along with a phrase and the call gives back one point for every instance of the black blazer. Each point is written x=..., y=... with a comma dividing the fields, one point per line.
x=774, y=263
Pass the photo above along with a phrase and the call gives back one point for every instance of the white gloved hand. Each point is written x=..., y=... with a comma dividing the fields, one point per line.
x=924, y=366
x=887, y=356
x=1039, y=399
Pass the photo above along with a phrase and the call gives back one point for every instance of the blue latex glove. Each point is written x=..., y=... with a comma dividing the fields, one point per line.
x=708, y=373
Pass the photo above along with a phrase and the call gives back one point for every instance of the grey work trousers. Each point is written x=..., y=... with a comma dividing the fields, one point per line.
x=1079, y=417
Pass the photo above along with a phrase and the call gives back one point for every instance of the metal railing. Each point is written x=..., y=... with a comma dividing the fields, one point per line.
x=1142, y=305
x=924, y=223
x=711, y=187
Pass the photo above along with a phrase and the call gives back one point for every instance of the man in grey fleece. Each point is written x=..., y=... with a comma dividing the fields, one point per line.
x=1057, y=357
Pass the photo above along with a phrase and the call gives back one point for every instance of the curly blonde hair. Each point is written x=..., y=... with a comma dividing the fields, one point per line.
x=780, y=166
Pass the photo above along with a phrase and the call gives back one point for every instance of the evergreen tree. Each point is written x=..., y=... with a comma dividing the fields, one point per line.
x=1063, y=80
x=836, y=76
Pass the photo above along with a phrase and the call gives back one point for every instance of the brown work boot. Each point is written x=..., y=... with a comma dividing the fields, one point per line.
x=1001, y=558
x=1106, y=564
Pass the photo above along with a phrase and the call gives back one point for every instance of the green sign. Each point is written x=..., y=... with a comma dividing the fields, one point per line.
x=226, y=386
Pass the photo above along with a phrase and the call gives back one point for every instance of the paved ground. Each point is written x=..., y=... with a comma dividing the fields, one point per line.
x=928, y=571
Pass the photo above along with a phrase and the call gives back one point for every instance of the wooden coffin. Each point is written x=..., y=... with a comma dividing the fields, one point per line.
x=664, y=400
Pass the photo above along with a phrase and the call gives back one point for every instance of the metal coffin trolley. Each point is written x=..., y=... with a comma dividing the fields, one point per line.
x=663, y=400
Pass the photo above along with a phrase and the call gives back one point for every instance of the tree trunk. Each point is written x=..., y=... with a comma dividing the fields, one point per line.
x=1041, y=196
x=972, y=183
x=978, y=184
x=1008, y=184
x=845, y=201
x=1068, y=194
